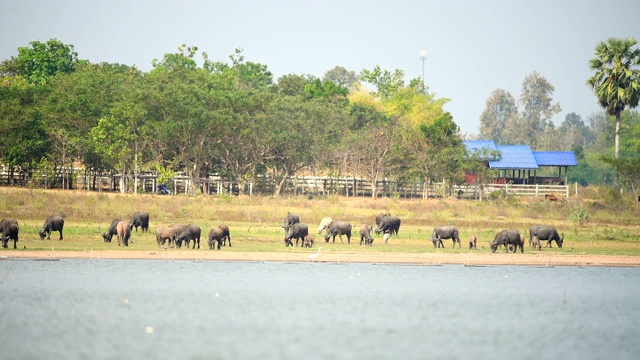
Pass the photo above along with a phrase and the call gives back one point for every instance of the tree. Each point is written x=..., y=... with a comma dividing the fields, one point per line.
x=575, y=132
x=629, y=170
x=341, y=76
x=537, y=108
x=24, y=138
x=40, y=62
x=499, y=109
x=386, y=82
x=616, y=82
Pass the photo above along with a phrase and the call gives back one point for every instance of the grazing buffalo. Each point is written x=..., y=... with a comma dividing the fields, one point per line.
x=389, y=224
x=164, y=234
x=365, y=235
x=324, y=224
x=297, y=231
x=309, y=240
x=548, y=233
x=227, y=235
x=216, y=234
x=140, y=219
x=473, y=241
x=289, y=221
x=508, y=238
x=9, y=231
x=446, y=232
x=53, y=223
x=188, y=233
x=379, y=217
x=124, y=232
x=338, y=228
x=535, y=243
x=113, y=230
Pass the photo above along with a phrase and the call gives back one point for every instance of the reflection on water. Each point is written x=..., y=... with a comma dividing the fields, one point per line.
x=114, y=309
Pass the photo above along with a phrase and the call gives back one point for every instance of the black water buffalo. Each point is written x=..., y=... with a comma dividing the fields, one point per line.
x=190, y=232
x=297, y=231
x=389, y=224
x=548, y=233
x=365, y=235
x=446, y=232
x=309, y=240
x=508, y=238
x=9, y=231
x=227, y=235
x=379, y=217
x=216, y=234
x=289, y=221
x=473, y=241
x=141, y=219
x=113, y=230
x=124, y=232
x=164, y=234
x=53, y=223
x=338, y=228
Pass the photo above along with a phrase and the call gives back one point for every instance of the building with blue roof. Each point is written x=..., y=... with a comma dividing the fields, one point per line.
x=515, y=163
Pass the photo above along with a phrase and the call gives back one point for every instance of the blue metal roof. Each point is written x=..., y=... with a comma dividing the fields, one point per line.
x=555, y=158
x=514, y=157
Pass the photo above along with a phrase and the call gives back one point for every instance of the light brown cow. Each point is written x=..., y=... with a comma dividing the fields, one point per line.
x=124, y=233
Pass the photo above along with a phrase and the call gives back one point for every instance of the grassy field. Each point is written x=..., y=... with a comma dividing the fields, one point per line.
x=612, y=226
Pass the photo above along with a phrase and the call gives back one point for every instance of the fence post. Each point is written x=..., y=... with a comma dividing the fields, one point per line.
x=536, y=190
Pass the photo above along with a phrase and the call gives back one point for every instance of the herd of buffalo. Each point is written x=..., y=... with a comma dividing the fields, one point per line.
x=386, y=224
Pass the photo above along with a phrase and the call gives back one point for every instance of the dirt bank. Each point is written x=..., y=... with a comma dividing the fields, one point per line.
x=463, y=258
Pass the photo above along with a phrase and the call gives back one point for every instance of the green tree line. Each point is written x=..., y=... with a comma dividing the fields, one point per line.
x=198, y=116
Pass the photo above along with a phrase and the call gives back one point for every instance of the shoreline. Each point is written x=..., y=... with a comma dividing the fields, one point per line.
x=467, y=258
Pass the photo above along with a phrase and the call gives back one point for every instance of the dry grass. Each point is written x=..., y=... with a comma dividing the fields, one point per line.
x=255, y=221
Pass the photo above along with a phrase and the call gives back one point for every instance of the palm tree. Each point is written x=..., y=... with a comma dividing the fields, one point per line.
x=616, y=82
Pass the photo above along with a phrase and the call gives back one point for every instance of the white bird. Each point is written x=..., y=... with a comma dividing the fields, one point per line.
x=313, y=256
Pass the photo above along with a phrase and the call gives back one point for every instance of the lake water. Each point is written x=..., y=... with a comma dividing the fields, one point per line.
x=128, y=309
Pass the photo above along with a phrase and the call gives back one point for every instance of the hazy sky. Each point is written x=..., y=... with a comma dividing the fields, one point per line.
x=473, y=47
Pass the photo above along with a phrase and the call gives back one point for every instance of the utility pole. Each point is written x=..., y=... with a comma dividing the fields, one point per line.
x=423, y=55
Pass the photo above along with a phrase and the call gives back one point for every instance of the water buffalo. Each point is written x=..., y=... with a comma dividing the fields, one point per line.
x=124, y=232
x=324, y=224
x=446, y=232
x=365, y=235
x=297, y=231
x=338, y=228
x=309, y=240
x=113, y=230
x=379, y=217
x=473, y=241
x=227, y=235
x=216, y=234
x=389, y=224
x=507, y=238
x=548, y=233
x=188, y=233
x=289, y=221
x=141, y=219
x=9, y=231
x=164, y=234
x=53, y=223
x=535, y=243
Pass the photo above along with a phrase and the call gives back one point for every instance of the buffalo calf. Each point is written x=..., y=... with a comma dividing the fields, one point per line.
x=309, y=240
x=473, y=241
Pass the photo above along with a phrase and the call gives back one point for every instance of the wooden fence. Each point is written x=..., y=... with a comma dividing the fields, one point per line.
x=299, y=185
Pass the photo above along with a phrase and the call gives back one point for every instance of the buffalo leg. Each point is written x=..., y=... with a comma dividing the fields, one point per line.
x=60, y=235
